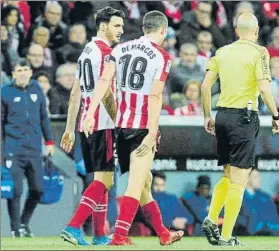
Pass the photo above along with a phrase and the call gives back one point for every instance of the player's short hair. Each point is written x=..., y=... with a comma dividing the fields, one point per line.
x=159, y=174
x=104, y=15
x=153, y=21
x=21, y=62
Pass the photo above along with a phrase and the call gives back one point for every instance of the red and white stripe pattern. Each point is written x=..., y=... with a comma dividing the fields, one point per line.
x=93, y=205
x=123, y=225
x=98, y=51
x=88, y=202
x=132, y=104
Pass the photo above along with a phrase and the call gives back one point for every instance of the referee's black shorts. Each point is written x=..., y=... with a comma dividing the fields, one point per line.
x=236, y=139
x=98, y=151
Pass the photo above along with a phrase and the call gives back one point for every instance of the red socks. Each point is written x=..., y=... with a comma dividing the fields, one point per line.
x=99, y=217
x=128, y=210
x=88, y=203
x=153, y=214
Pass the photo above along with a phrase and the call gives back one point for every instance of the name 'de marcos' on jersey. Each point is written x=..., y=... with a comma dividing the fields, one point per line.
x=138, y=63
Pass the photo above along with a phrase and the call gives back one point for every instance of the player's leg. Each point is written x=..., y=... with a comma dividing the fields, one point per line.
x=139, y=168
x=99, y=215
x=152, y=213
x=16, y=165
x=91, y=196
x=34, y=173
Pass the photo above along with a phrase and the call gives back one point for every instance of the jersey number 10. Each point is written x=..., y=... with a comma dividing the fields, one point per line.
x=137, y=69
x=86, y=71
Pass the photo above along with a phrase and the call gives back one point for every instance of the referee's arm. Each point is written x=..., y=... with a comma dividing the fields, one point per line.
x=209, y=80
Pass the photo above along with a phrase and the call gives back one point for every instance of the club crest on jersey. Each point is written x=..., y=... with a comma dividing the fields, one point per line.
x=34, y=97
x=106, y=58
x=9, y=163
x=168, y=66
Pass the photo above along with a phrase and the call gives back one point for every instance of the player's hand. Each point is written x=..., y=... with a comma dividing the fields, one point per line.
x=148, y=144
x=50, y=150
x=275, y=126
x=67, y=141
x=209, y=125
x=87, y=127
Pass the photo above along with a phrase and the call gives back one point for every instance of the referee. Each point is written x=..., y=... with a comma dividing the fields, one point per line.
x=243, y=69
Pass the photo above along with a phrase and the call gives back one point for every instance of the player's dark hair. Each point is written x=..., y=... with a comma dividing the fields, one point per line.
x=159, y=174
x=21, y=62
x=153, y=21
x=104, y=15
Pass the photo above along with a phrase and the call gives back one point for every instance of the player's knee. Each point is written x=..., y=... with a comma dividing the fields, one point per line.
x=239, y=176
x=107, y=178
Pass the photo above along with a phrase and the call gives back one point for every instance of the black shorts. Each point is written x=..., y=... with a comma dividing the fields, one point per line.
x=97, y=151
x=128, y=140
x=236, y=139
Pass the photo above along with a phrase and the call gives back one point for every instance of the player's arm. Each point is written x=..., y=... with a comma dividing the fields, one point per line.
x=98, y=95
x=68, y=138
x=209, y=80
x=74, y=105
x=109, y=103
x=155, y=106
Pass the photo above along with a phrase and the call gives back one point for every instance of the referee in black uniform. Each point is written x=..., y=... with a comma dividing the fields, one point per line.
x=243, y=69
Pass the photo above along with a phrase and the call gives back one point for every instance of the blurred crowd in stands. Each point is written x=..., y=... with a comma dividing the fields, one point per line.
x=51, y=35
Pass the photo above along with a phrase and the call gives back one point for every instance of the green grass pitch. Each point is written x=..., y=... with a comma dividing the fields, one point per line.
x=141, y=243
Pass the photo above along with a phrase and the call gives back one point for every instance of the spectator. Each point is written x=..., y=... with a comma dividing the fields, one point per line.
x=193, y=95
x=258, y=215
x=200, y=20
x=170, y=42
x=273, y=49
x=173, y=213
x=82, y=13
x=134, y=11
x=10, y=18
x=197, y=202
x=187, y=69
x=44, y=80
x=77, y=40
x=274, y=70
x=41, y=37
x=52, y=21
x=24, y=123
x=61, y=93
x=24, y=10
x=4, y=78
x=35, y=56
x=171, y=8
x=275, y=22
x=8, y=54
x=204, y=44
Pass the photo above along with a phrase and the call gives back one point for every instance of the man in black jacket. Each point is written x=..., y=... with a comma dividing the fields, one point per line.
x=24, y=121
x=52, y=21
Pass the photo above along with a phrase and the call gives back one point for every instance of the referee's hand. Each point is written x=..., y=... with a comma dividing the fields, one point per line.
x=209, y=125
x=275, y=126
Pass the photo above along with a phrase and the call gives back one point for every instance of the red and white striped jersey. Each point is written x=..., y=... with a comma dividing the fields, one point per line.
x=138, y=63
x=90, y=67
